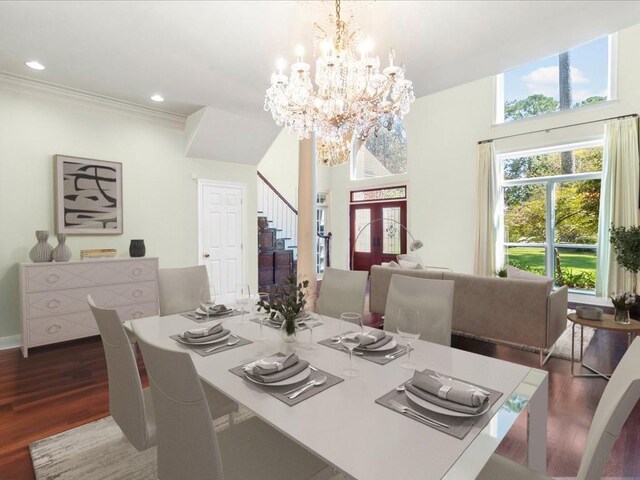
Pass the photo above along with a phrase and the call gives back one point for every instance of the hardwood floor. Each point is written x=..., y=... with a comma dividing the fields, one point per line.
x=63, y=386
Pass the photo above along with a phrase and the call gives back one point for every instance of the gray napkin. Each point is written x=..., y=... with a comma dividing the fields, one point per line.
x=202, y=332
x=282, y=374
x=207, y=338
x=215, y=309
x=272, y=364
x=458, y=399
x=380, y=340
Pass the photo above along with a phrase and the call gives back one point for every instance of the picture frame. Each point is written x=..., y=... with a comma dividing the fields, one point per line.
x=88, y=196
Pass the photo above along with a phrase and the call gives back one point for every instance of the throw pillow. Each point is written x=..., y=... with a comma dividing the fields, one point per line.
x=410, y=265
x=393, y=264
x=513, y=272
x=410, y=258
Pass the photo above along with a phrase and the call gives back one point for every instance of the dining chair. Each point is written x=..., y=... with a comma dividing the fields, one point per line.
x=342, y=291
x=433, y=299
x=182, y=289
x=618, y=400
x=130, y=404
x=188, y=445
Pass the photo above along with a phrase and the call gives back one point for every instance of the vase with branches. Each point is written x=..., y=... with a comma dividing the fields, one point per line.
x=626, y=245
x=287, y=301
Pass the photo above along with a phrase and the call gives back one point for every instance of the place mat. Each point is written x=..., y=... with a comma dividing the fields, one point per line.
x=376, y=357
x=316, y=323
x=278, y=392
x=459, y=427
x=202, y=349
x=194, y=316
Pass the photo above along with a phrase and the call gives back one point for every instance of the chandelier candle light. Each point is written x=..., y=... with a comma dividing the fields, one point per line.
x=352, y=98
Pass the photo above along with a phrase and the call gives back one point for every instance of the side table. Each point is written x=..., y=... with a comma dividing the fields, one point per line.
x=606, y=323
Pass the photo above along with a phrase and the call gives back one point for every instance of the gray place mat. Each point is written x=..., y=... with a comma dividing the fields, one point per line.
x=194, y=316
x=202, y=349
x=459, y=427
x=278, y=392
x=376, y=357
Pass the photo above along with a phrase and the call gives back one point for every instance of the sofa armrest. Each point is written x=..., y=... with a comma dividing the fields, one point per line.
x=557, y=305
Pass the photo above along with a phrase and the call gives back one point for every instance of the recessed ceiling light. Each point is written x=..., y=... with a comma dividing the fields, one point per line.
x=35, y=65
x=157, y=98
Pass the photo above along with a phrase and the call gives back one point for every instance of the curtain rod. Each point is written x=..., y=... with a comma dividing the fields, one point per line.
x=547, y=130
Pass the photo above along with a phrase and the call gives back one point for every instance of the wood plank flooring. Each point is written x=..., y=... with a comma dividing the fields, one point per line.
x=63, y=386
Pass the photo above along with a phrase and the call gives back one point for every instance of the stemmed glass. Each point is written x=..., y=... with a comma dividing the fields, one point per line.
x=408, y=320
x=350, y=341
x=243, y=295
x=207, y=300
x=262, y=315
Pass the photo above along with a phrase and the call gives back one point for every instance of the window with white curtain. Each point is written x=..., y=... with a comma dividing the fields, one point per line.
x=551, y=208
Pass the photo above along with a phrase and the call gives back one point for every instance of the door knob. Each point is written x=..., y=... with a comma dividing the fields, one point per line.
x=206, y=255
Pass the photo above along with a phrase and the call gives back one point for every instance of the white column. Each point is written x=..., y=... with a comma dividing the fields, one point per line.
x=307, y=217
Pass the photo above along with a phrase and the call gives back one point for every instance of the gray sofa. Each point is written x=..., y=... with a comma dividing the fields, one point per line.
x=524, y=312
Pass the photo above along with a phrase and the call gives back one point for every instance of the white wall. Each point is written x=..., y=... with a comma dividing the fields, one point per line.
x=159, y=193
x=280, y=166
x=443, y=130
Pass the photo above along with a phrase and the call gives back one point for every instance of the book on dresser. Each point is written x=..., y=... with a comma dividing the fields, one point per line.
x=53, y=296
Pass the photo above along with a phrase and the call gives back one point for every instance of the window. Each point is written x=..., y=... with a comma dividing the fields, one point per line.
x=375, y=194
x=551, y=205
x=384, y=152
x=321, y=224
x=580, y=76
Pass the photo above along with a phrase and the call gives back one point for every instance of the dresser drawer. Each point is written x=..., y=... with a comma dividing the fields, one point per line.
x=53, y=276
x=42, y=331
x=140, y=310
x=42, y=304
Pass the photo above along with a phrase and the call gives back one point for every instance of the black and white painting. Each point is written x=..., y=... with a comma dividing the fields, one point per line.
x=88, y=196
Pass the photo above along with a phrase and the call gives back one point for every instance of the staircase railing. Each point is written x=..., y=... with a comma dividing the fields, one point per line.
x=282, y=215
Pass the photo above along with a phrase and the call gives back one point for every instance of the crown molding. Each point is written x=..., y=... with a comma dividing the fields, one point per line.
x=23, y=85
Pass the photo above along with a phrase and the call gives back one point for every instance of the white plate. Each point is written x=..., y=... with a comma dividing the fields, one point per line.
x=210, y=342
x=387, y=346
x=300, y=377
x=438, y=409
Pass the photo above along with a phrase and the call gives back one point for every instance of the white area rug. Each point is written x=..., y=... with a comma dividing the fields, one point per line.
x=99, y=451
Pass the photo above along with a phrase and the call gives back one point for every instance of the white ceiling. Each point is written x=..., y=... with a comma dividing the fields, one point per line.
x=221, y=54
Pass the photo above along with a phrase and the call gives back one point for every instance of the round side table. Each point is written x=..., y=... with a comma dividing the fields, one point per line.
x=606, y=323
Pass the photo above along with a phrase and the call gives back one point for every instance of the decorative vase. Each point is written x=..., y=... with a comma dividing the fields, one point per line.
x=61, y=253
x=621, y=316
x=42, y=251
x=288, y=339
x=137, y=248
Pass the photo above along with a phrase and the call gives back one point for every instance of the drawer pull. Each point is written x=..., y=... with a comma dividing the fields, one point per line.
x=137, y=293
x=52, y=279
x=53, y=304
x=137, y=314
x=136, y=272
x=55, y=328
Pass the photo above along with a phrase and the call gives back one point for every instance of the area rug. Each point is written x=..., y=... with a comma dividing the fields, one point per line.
x=99, y=451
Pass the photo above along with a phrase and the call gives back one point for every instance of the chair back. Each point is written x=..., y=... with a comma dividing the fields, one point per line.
x=433, y=299
x=618, y=400
x=126, y=399
x=182, y=289
x=342, y=291
x=187, y=443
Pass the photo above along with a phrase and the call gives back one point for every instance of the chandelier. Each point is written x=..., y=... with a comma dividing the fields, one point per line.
x=352, y=97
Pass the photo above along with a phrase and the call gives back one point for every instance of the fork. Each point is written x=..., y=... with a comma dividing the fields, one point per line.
x=416, y=415
x=395, y=354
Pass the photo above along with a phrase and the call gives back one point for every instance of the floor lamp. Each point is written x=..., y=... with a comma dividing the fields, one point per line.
x=413, y=246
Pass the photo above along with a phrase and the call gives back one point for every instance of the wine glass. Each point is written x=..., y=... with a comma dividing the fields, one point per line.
x=207, y=300
x=349, y=340
x=262, y=316
x=243, y=295
x=408, y=321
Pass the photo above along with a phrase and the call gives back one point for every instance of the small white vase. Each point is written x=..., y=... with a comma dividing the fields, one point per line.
x=42, y=251
x=61, y=253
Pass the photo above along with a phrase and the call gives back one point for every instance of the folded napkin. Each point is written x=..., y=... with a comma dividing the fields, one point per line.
x=207, y=338
x=373, y=339
x=457, y=398
x=274, y=363
x=203, y=332
x=213, y=309
x=278, y=375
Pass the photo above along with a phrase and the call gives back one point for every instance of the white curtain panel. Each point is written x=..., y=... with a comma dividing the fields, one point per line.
x=488, y=214
x=618, y=200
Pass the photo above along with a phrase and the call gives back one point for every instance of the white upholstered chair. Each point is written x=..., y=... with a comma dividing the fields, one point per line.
x=182, y=289
x=342, y=291
x=189, y=447
x=130, y=405
x=433, y=299
x=618, y=400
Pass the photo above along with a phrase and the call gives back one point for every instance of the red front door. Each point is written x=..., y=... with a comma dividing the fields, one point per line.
x=377, y=233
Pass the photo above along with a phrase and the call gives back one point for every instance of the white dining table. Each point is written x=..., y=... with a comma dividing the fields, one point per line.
x=346, y=428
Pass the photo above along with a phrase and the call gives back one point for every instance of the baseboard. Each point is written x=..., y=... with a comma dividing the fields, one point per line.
x=13, y=341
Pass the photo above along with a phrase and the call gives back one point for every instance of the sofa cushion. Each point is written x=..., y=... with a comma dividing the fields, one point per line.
x=409, y=265
x=409, y=257
x=513, y=272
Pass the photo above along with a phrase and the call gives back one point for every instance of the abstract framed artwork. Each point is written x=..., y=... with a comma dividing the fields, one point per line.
x=88, y=196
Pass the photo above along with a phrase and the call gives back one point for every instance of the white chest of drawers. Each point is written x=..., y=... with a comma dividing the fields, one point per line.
x=53, y=296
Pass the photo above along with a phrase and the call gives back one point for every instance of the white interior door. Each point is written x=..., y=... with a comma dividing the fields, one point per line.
x=221, y=236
